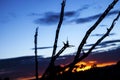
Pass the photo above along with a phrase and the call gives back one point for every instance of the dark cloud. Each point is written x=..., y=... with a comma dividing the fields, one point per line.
x=111, y=34
x=110, y=43
x=48, y=18
x=105, y=56
x=53, y=17
x=70, y=13
x=94, y=17
x=101, y=48
x=48, y=47
x=69, y=16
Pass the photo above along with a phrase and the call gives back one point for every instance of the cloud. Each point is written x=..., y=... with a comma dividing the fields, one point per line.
x=70, y=13
x=53, y=17
x=48, y=47
x=92, y=18
x=111, y=34
x=109, y=42
x=105, y=44
x=106, y=56
x=48, y=18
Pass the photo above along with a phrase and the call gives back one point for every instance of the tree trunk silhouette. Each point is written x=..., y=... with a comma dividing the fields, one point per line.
x=36, y=60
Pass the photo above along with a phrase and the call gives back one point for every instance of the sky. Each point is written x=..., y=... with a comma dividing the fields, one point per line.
x=19, y=19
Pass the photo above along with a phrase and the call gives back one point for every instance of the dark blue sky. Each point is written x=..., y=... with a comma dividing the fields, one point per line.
x=19, y=18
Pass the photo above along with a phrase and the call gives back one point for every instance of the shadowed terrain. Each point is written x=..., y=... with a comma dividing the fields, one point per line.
x=23, y=67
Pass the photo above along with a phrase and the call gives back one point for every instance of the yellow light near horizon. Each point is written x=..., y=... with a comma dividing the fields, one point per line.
x=83, y=69
x=89, y=64
x=77, y=68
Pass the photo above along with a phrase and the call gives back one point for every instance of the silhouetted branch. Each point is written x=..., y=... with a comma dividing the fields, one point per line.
x=36, y=61
x=77, y=57
x=93, y=27
x=51, y=64
x=57, y=32
x=66, y=45
x=98, y=41
x=105, y=35
x=58, y=28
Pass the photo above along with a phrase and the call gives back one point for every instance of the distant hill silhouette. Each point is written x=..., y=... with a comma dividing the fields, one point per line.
x=24, y=66
x=98, y=73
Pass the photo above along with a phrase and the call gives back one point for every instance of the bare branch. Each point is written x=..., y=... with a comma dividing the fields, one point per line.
x=36, y=61
x=66, y=45
x=51, y=67
x=51, y=64
x=105, y=35
x=98, y=41
x=93, y=27
x=58, y=28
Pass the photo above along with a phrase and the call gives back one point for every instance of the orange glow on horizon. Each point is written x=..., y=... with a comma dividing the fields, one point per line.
x=106, y=64
x=81, y=66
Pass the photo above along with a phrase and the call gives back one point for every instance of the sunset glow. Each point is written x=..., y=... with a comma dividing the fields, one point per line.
x=78, y=68
x=82, y=66
x=106, y=64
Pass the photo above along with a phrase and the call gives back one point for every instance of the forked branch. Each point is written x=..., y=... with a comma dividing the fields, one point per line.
x=66, y=45
x=50, y=70
x=92, y=28
x=98, y=41
x=53, y=58
x=58, y=28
